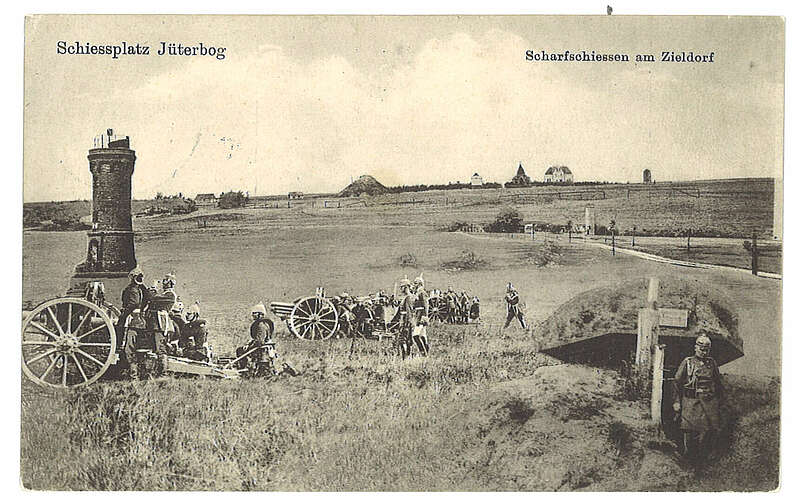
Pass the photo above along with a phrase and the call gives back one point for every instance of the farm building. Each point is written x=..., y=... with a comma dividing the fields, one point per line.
x=557, y=173
x=476, y=180
x=205, y=200
x=647, y=176
x=295, y=195
x=519, y=180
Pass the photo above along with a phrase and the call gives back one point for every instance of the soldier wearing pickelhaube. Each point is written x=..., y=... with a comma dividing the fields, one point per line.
x=514, y=307
x=408, y=318
x=421, y=314
x=698, y=392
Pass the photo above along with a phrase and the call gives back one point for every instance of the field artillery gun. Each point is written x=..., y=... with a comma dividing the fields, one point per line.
x=73, y=341
x=318, y=317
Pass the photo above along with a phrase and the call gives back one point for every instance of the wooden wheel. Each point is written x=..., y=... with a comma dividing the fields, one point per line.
x=67, y=342
x=314, y=318
x=364, y=321
x=437, y=309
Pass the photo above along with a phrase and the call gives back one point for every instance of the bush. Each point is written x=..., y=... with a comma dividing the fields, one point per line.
x=408, y=260
x=467, y=261
x=548, y=253
x=509, y=220
x=232, y=199
x=456, y=226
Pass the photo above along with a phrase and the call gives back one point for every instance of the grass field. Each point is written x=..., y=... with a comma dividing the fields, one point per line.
x=474, y=416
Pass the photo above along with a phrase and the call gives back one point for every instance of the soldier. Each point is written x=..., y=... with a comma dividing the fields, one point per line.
x=194, y=335
x=260, y=334
x=513, y=307
x=420, y=332
x=698, y=391
x=475, y=310
x=346, y=316
x=463, y=306
x=134, y=296
x=408, y=318
x=135, y=299
x=159, y=322
x=452, y=305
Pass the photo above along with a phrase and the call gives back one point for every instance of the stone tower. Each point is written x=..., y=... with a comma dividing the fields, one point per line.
x=647, y=177
x=110, y=253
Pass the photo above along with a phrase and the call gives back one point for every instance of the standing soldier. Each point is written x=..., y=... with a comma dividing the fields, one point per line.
x=420, y=333
x=408, y=318
x=698, y=391
x=463, y=306
x=452, y=305
x=513, y=306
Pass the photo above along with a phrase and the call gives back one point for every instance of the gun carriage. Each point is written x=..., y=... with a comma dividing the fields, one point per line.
x=318, y=317
x=74, y=341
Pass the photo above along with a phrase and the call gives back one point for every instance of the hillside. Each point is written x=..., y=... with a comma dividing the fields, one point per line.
x=366, y=184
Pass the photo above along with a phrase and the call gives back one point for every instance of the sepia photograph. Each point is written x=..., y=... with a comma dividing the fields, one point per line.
x=380, y=253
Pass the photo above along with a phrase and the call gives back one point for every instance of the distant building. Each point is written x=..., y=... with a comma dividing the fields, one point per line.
x=476, y=180
x=647, y=177
x=205, y=200
x=295, y=195
x=519, y=180
x=557, y=173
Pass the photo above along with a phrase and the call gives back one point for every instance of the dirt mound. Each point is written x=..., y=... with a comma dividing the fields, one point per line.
x=568, y=427
x=366, y=184
x=615, y=309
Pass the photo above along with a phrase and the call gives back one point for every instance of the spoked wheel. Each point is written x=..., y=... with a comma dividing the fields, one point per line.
x=437, y=309
x=67, y=342
x=314, y=318
x=365, y=321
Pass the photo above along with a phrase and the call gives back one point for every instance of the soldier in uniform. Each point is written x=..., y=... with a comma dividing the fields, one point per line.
x=698, y=391
x=420, y=332
x=260, y=334
x=135, y=299
x=408, y=318
x=513, y=307
x=475, y=310
x=194, y=335
x=159, y=322
x=463, y=306
x=452, y=305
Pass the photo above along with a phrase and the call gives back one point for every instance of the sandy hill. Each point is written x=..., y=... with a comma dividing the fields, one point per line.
x=366, y=184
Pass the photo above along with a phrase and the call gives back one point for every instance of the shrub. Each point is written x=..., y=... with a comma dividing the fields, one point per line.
x=456, y=226
x=509, y=220
x=467, y=261
x=408, y=260
x=232, y=199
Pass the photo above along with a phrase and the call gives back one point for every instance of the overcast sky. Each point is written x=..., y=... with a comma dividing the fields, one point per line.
x=307, y=103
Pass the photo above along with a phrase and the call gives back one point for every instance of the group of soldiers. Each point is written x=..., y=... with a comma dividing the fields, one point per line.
x=460, y=307
x=153, y=319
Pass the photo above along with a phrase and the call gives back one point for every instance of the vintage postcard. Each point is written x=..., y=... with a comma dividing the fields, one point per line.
x=417, y=253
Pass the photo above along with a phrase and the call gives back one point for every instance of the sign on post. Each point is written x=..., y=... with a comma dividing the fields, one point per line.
x=677, y=318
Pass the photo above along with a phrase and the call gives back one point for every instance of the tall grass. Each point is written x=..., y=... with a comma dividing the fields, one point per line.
x=357, y=418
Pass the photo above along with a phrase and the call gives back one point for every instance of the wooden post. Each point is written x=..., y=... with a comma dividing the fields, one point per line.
x=754, y=252
x=647, y=329
x=652, y=293
x=689, y=241
x=657, y=396
x=613, y=245
x=633, y=237
x=646, y=338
